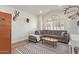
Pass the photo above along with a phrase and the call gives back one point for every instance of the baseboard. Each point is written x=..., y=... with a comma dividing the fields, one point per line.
x=19, y=42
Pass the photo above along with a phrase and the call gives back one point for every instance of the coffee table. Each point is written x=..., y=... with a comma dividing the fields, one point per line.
x=49, y=40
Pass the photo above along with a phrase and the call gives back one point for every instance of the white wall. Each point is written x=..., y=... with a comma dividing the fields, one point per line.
x=40, y=25
x=71, y=25
x=20, y=28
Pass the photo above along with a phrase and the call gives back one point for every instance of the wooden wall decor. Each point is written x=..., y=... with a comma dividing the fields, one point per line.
x=72, y=11
x=5, y=33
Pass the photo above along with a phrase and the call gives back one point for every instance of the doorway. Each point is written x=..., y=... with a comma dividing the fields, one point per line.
x=5, y=33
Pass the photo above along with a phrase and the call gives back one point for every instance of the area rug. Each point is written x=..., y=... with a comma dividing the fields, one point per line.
x=39, y=48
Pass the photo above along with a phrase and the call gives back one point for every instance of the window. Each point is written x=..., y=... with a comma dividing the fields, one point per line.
x=54, y=23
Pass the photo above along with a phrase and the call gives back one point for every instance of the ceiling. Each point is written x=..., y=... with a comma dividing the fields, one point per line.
x=35, y=9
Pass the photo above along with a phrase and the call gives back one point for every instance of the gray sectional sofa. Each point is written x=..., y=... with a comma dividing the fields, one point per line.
x=61, y=35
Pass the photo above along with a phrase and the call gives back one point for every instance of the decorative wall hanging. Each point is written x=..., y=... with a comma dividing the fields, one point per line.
x=16, y=14
x=27, y=20
x=72, y=11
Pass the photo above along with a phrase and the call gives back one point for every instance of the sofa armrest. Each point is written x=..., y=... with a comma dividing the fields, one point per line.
x=37, y=37
x=67, y=36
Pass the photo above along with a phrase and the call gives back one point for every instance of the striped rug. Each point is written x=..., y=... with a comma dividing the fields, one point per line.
x=39, y=48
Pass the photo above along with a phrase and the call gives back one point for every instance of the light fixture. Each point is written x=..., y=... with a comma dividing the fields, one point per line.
x=41, y=11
